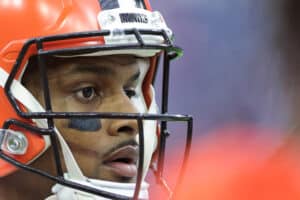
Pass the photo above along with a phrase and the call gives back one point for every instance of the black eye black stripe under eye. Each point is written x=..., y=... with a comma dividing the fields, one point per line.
x=85, y=124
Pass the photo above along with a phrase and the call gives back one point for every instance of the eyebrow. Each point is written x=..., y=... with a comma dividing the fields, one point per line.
x=100, y=70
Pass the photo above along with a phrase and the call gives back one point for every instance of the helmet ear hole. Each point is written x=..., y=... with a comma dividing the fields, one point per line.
x=30, y=77
x=31, y=67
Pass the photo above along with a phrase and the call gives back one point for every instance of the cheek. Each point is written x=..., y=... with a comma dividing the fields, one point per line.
x=84, y=145
x=87, y=147
x=74, y=131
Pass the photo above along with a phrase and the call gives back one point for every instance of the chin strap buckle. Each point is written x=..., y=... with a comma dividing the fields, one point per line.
x=13, y=142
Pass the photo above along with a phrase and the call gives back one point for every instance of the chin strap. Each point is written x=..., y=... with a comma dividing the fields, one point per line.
x=150, y=136
x=125, y=189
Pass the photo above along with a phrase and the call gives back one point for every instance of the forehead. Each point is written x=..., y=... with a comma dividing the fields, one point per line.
x=115, y=63
x=108, y=61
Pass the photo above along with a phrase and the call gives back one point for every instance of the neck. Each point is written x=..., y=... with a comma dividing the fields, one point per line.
x=27, y=185
x=24, y=185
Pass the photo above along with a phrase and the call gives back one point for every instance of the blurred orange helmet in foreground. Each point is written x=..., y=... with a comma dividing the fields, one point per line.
x=242, y=163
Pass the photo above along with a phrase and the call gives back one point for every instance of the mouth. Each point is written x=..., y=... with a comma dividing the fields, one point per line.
x=123, y=161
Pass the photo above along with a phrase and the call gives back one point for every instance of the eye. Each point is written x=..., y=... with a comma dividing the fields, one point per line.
x=130, y=92
x=86, y=94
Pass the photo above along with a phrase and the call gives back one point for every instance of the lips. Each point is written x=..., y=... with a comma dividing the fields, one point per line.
x=123, y=161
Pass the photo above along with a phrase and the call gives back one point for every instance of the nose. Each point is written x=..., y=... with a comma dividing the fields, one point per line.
x=123, y=126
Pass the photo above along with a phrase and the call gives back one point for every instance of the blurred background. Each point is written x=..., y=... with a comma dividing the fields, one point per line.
x=231, y=71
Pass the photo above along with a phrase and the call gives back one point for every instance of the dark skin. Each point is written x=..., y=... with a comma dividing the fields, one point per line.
x=83, y=84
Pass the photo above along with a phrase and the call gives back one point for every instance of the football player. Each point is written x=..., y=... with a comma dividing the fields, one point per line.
x=78, y=112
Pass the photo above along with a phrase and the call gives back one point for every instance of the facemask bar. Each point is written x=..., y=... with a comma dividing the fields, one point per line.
x=48, y=108
x=170, y=53
x=141, y=161
x=164, y=133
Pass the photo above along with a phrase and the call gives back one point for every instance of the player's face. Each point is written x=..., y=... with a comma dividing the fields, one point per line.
x=104, y=148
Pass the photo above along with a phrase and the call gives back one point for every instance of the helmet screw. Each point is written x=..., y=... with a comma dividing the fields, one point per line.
x=111, y=18
x=16, y=143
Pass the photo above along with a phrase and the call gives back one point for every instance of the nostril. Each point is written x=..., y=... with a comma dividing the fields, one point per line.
x=126, y=129
x=119, y=127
